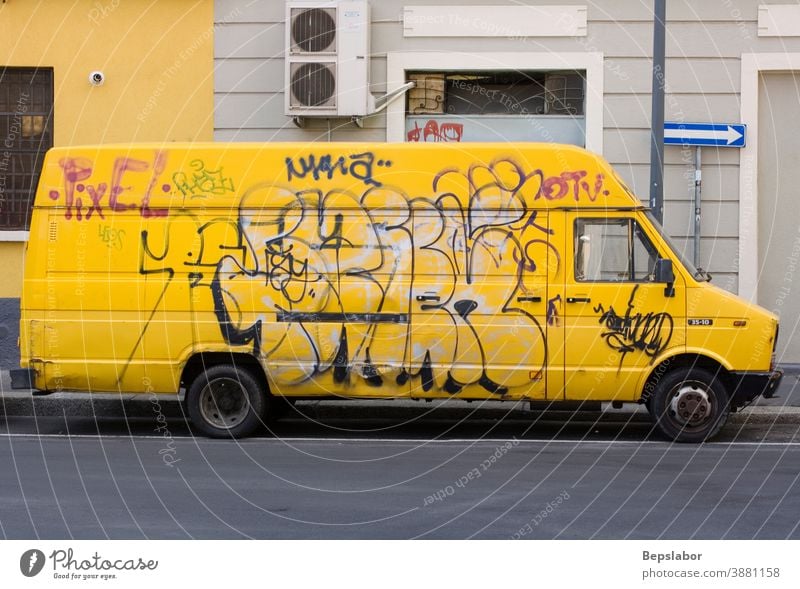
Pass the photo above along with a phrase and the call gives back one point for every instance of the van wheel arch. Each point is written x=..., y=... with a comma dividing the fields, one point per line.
x=202, y=361
x=205, y=373
x=683, y=361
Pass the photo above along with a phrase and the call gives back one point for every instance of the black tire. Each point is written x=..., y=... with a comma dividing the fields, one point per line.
x=648, y=403
x=689, y=405
x=226, y=401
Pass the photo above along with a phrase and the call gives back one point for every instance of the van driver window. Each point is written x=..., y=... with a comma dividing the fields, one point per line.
x=613, y=250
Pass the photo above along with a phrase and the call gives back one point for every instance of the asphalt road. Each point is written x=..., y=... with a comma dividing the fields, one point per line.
x=355, y=475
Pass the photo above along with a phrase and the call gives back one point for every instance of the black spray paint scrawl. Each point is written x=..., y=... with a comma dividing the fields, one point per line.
x=649, y=333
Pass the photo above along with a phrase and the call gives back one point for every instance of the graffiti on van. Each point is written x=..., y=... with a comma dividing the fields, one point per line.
x=566, y=183
x=359, y=165
x=572, y=183
x=646, y=332
x=378, y=286
x=113, y=238
x=552, y=310
x=201, y=181
x=82, y=199
x=381, y=285
x=384, y=287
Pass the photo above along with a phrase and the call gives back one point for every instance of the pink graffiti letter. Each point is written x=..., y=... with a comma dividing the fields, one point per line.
x=75, y=170
x=122, y=165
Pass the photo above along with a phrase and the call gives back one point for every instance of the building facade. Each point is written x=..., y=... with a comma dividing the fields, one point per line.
x=573, y=73
x=85, y=72
x=482, y=70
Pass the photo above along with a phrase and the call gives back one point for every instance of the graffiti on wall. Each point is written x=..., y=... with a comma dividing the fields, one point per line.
x=433, y=131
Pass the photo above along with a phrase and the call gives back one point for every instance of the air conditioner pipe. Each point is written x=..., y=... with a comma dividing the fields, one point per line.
x=380, y=104
x=383, y=101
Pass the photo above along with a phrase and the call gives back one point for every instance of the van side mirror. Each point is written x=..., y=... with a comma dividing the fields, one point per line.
x=665, y=275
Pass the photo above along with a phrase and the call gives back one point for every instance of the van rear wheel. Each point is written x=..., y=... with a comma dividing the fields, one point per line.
x=225, y=401
x=689, y=405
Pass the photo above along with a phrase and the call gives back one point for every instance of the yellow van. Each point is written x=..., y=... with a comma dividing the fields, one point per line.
x=252, y=275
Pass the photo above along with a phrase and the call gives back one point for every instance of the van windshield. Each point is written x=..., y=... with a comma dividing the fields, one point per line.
x=697, y=273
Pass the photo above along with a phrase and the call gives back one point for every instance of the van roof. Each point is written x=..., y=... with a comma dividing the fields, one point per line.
x=162, y=176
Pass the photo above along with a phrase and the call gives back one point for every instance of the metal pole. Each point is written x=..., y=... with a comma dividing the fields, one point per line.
x=657, y=124
x=698, y=181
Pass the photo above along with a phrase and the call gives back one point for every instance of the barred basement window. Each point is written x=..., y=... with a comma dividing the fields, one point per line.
x=26, y=133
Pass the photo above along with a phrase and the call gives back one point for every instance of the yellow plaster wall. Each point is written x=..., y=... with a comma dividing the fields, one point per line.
x=11, y=257
x=158, y=61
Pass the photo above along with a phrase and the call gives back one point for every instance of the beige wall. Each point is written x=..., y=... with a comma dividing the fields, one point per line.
x=705, y=41
x=778, y=221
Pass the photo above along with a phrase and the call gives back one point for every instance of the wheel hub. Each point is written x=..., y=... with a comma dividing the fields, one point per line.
x=224, y=403
x=691, y=405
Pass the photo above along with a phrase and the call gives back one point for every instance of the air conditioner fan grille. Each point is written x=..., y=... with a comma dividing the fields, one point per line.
x=313, y=84
x=314, y=29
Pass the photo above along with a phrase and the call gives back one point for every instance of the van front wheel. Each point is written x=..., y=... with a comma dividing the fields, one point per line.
x=689, y=405
x=225, y=402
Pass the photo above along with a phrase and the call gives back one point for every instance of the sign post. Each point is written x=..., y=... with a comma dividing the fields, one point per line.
x=698, y=135
x=657, y=111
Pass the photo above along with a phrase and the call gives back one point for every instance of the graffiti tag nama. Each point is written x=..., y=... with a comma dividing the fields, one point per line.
x=360, y=166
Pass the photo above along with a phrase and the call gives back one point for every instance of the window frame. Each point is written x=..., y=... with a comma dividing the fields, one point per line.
x=39, y=83
x=634, y=228
x=478, y=93
x=400, y=62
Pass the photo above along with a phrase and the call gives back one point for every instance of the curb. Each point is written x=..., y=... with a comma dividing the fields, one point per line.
x=130, y=406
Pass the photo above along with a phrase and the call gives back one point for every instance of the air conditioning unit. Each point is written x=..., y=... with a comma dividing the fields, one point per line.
x=327, y=64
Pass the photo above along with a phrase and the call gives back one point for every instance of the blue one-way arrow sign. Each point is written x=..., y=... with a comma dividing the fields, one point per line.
x=715, y=135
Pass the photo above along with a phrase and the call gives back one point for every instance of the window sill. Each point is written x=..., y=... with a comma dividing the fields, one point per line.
x=14, y=235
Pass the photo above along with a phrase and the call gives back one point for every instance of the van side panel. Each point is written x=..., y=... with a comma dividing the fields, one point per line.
x=347, y=270
x=110, y=323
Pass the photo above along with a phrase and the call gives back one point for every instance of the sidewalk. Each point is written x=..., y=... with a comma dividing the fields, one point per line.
x=21, y=403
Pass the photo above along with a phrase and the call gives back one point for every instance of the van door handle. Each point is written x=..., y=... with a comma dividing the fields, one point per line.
x=426, y=297
x=579, y=300
x=529, y=299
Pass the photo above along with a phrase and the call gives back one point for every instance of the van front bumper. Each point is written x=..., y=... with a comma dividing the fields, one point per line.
x=749, y=385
